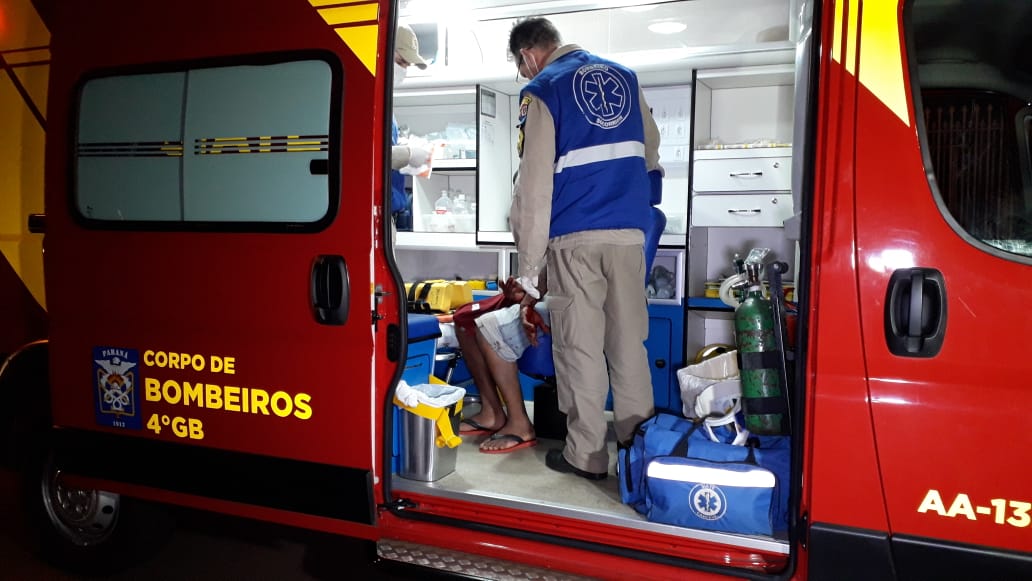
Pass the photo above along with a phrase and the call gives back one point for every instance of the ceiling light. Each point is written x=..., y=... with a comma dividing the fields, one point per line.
x=667, y=27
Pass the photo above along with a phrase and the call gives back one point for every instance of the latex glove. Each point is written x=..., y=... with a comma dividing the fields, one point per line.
x=418, y=156
x=532, y=321
x=529, y=284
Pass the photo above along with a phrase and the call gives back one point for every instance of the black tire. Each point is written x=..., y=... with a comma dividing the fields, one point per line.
x=87, y=532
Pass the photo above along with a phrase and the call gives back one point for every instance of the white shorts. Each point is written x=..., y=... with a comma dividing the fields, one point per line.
x=503, y=330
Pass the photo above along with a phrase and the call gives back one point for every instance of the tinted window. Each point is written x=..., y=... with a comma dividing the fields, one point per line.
x=223, y=144
x=975, y=82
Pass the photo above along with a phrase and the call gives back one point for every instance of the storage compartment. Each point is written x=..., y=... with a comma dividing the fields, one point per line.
x=742, y=170
x=745, y=210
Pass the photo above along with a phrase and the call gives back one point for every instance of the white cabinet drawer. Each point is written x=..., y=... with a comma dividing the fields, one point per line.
x=743, y=174
x=741, y=210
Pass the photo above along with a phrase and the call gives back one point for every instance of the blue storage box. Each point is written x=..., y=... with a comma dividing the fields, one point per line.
x=423, y=332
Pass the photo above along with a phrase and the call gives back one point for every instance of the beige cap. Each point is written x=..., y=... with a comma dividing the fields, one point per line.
x=406, y=44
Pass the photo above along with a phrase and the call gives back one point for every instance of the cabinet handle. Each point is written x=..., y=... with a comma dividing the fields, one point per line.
x=746, y=174
x=745, y=212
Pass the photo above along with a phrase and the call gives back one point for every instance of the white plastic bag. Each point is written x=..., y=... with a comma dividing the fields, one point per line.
x=695, y=379
x=438, y=395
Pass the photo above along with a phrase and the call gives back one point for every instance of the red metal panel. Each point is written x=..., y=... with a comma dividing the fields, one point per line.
x=842, y=479
x=218, y=295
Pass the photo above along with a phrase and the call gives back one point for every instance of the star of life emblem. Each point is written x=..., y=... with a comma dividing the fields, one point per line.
x=115, y=374
x=603, y=95
x=707, y=501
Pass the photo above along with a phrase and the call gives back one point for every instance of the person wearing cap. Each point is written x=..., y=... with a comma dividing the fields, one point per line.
x=406, y=54
x=586, y=143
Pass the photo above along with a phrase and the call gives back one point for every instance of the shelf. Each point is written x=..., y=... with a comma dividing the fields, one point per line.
x=707, y=303
x=438, y=240
x=454, y=164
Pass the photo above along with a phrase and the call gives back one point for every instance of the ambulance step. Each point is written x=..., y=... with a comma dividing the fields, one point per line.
x=465, y=563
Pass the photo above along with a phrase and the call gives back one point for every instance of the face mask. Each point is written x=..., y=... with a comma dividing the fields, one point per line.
x=531, y=62
x=399, y=74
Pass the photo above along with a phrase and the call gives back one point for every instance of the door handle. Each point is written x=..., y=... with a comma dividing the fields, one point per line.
x=915, y=312
x=330, y=289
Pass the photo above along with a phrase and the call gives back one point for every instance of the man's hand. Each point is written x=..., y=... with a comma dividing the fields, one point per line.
x=532, y=320
x=418, y=156
x=513, y=291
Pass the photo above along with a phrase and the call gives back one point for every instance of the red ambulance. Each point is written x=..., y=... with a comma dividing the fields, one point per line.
x=227, y=316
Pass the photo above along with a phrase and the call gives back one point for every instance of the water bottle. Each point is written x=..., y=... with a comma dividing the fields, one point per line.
x=443, y=205
x=459, y=206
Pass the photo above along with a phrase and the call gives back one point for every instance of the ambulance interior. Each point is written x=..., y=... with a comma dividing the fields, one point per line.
x=742, y=57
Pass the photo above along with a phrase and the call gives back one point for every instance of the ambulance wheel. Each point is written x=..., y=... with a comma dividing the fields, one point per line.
x=88, y=531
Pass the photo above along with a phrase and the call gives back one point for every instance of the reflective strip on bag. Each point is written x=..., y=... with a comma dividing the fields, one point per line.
x=750, y=477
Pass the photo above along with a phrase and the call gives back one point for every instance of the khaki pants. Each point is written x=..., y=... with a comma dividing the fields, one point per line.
x=599, y=315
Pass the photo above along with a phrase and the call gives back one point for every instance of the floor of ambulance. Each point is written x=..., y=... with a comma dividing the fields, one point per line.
x=521, y=480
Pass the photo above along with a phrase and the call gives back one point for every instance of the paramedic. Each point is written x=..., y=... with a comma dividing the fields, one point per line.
x=586, y=143
x=406, y=54
x=490, y=348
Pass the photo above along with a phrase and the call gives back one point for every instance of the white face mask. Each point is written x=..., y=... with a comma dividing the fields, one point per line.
x=399, y=74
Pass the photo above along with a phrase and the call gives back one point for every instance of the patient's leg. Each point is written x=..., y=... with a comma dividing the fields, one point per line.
x=492, y=414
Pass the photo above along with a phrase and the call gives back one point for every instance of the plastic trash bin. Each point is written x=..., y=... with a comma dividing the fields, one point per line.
x=429, y=429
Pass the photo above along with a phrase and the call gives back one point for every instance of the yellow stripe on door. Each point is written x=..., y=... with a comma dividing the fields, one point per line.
x=881, y=55
x=356, y=23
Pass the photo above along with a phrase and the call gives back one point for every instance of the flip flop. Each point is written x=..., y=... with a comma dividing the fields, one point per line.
x=520, y=443
x=478, y=428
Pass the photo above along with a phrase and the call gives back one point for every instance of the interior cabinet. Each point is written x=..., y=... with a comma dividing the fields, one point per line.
x=671, y=109
x=471, y=131
x=741, y=186
x=446, y=120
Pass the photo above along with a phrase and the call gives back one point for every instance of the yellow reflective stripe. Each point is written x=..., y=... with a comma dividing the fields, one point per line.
x=854, y=13
x=836, y=43
x=27, y=56
x=881, y=56
x=598, y=153
x=356, y=23
x=318, y=3
x=350, y=14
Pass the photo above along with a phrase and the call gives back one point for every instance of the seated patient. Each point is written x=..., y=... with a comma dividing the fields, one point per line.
x=502, y=411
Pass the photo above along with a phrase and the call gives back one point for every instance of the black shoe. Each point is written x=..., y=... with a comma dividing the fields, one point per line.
x=556, y=461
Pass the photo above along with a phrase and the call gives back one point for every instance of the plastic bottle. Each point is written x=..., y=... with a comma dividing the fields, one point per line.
x=459, y=205
x=443, y=205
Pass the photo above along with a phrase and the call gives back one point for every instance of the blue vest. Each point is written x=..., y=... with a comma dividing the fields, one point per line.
x=601, y=182
x=399, y=201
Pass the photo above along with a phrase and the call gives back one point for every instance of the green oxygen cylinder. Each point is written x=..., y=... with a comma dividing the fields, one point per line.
x=763, y=403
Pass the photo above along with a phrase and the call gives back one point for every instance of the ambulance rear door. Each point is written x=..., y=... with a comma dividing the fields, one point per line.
x=213, y=179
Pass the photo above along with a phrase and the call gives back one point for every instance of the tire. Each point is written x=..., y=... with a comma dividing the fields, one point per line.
x=88, y=531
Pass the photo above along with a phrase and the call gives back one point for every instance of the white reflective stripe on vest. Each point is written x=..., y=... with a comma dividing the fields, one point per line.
x=597, y=153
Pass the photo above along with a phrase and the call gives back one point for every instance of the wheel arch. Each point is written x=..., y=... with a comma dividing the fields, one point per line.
x=25, y=389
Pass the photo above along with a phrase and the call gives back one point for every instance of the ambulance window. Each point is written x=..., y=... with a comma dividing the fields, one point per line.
x=214, y=145
x=974, y=96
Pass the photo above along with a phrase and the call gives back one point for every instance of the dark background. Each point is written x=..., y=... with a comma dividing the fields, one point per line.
x=208, y=547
